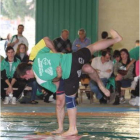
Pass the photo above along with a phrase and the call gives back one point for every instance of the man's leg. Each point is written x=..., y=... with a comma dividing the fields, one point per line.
x=94, y=76
x=94, y=88
x=72, y=113
x=103, y=44
x=60, y=112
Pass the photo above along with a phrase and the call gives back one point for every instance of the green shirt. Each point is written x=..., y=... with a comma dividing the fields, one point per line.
x=134, y=53
x=6, y=66
x=45, y=66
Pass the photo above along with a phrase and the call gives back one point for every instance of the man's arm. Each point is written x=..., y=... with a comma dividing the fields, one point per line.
x=10, y=85
x=45, y=42
x=12, y=43
x=59, y=74
x=49, y=44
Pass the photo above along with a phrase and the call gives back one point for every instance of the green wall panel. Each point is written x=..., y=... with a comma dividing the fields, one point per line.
x=52, y=16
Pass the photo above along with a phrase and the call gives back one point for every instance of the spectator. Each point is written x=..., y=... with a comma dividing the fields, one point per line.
x=135, y=85
x=18, y=39
x=22, y=53
x=104, y=70
x=137, y=68
x=62, y=43
x=134, y=53
x=116, y=56
x=104, y=35
x=81, y=42
x=9, y=36
x=123, y=77
x=1, y=58
x=8, y=67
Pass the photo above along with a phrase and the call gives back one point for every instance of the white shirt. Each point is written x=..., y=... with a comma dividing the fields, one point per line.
x=21, y=39
x=97, y=64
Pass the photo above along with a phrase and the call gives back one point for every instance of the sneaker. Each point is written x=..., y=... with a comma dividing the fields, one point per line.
x=13, y=101
x=6, y=100
x=103, y=101
x=134, y=101
x=122, y=100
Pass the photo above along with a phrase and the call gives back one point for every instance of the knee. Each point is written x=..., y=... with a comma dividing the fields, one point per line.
x=60, y=104
x=93, y=87
x=87, y=68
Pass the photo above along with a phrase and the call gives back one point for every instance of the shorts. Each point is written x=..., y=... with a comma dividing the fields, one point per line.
x=79, y=58
x=60, y=90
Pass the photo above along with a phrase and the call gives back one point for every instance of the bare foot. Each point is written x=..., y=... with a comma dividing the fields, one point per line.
x=105, y=91
x=115, y=35
x=58, y=131
x=69, y=133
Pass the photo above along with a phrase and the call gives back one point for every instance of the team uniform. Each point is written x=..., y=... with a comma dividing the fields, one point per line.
x=46, y=63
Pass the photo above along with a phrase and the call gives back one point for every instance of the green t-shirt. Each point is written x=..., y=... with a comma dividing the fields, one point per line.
x=45, y=65
x=134, y=53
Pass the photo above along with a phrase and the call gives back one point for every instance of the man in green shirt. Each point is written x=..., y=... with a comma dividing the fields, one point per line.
x=134, y=53
x=49, y=68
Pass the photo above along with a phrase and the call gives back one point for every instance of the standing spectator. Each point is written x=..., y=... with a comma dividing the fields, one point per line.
x=81, y=42
x=104, y=35
x=18, y=39
x=134, y=53
x=8, y=67
x=123, y=77
x=62, y=43
x=9, y=36
x=104, y=70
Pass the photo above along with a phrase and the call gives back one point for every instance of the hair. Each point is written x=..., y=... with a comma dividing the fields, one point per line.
x=18, y=49
x=65, y=30
x=105, y=52
x=126, y=51
x=104, y=35
x=21, y=25
x=22, y=68
x=116, y=54
x=9, y=48
x=137, y=41
x=83, y=30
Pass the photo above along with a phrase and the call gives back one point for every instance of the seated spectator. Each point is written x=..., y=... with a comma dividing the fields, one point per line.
x=104, y=70
x=123, y=76
x=8, y=67
x=22, y=53
x=62, y=43
x=81, y=42
x=116, y=56
x=135, y=85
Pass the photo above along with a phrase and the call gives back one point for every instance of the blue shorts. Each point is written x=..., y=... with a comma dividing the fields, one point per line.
x=60, y=90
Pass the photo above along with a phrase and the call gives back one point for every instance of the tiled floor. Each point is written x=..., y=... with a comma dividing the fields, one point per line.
x=94, y=121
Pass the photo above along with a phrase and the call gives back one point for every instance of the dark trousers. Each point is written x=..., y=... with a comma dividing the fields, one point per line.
x=16, y=93
x=123, y=83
